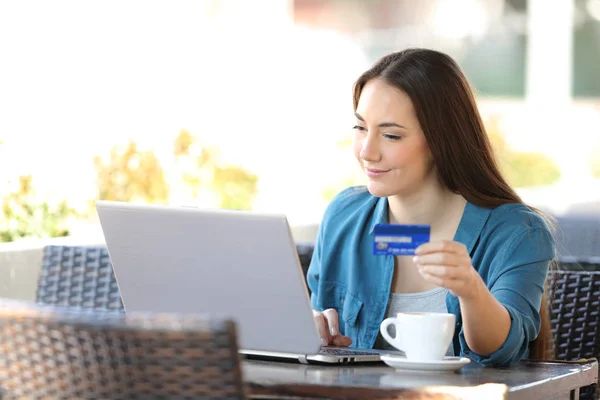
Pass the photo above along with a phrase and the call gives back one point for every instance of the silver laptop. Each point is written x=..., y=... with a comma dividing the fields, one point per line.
x=241, y=264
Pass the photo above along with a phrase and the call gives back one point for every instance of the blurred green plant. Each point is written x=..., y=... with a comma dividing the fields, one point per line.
x=131, y=175
x=23, y=215
x=521, y=169
x=202, y=169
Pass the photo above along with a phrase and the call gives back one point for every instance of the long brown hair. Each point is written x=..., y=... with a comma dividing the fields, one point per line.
x=456, y=136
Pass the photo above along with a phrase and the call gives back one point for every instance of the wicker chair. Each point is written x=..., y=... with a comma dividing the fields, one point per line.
x=574, y=293
x=74, y=354
x=81, y=277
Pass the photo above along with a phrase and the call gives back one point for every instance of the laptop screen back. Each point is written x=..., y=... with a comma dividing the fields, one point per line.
x=240, y=264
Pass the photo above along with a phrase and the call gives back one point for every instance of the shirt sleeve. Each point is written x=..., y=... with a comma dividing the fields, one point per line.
x=314, y=269
x=316, y=266
x=519, y=285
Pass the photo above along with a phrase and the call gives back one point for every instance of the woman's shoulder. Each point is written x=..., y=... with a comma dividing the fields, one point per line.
x=517, y=225
x=517, y=217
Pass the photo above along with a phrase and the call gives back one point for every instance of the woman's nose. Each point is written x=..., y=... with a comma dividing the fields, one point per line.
x=370, y=151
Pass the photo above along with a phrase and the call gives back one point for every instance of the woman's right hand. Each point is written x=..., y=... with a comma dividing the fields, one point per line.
x=327, y=325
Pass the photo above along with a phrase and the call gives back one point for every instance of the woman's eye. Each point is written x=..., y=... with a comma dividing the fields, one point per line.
x=358, y=127
x=392, y=137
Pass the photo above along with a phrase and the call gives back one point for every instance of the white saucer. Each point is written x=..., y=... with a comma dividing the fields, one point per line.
x=404, y=364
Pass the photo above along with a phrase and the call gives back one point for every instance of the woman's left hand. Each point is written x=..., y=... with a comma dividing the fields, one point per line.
x=448, y=264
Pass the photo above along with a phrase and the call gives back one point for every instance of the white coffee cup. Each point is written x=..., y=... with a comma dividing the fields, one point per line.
x=422, y=336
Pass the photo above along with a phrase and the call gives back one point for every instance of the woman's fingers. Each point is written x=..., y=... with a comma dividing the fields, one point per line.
x=443, y=246
x=332, y=321
x=433, y=279
x=450, y=259
x=342, y=341
x=322, y=327
x=328, y=327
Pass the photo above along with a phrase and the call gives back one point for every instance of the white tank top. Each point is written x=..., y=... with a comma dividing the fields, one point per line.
x=433, y=300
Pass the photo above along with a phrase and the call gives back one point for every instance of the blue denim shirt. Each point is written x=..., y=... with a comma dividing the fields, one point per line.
x=510, y=246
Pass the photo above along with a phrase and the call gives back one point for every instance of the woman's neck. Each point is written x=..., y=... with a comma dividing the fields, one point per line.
x=431, y=205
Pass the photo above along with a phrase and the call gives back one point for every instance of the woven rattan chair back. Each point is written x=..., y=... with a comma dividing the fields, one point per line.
x=575, y=313
x=73, y=354
x=574, y=307
x=74, y=276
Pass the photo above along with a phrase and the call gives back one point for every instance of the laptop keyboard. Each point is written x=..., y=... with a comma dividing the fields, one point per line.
x=344, y=352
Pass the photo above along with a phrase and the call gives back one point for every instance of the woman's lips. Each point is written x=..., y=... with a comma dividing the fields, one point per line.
x=376, y=173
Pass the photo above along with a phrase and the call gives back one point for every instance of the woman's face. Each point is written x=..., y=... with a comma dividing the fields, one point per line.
x=389, y=143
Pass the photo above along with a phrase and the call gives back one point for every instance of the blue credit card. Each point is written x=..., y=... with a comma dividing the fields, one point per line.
x=399, y=240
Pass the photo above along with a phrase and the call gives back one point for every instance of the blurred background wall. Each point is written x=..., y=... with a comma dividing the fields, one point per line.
x=246, y=104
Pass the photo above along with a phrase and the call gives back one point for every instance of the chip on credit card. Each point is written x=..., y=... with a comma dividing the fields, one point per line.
x=399, y=240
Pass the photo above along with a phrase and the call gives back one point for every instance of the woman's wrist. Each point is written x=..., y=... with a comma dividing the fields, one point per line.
x=486, y=322
x=478, y=290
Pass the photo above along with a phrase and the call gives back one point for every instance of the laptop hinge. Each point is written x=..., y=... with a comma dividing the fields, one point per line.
x=302, y=359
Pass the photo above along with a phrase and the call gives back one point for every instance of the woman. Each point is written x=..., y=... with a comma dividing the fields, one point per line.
x=420, y=140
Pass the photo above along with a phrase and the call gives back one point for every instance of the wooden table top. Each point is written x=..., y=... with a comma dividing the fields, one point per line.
x=526, y=380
